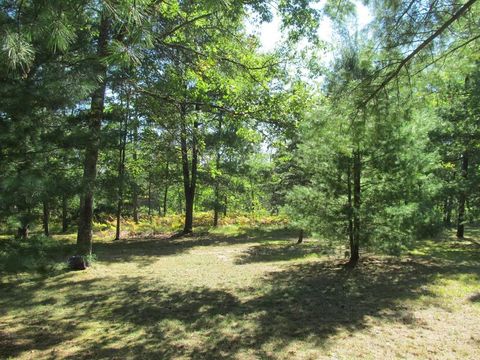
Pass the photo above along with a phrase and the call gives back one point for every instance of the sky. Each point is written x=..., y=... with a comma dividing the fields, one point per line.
x=270, y=34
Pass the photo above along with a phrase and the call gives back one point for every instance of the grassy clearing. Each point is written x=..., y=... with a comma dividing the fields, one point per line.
x=246, y=294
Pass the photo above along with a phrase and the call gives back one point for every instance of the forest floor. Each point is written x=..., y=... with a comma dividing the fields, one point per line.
x=246, y=294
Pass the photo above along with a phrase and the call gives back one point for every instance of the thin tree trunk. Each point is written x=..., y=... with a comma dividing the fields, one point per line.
x=193, y=180
x=350, y=205
x=84, y=235
x=46, y=218
x=149, y=197
x=121, y=166
x=189, y=177
x=165, y=198
x=225, y=206
x=165, y=193
x=216, y=208
x=462, y=199
x=252, y=197
x=22, y=231
x=135, y=185
x=64, y=214
x=447, y=219
x=355, y=245
x=188, y=225
x=180, y=207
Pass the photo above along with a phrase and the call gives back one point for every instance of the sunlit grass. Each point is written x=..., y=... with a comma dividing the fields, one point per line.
x=241, y=292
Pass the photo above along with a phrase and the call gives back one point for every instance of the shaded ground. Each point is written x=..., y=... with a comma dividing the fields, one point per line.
x=254, y=295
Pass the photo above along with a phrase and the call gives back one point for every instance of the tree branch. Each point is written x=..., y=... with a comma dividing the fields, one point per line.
x=419, y=48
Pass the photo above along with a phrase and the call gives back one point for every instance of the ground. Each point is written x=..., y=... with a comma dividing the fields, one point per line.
x=246, y=294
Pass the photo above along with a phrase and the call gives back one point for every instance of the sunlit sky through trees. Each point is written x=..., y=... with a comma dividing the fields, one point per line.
x=270, y=33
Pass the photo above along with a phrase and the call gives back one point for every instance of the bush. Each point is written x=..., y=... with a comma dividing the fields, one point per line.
x=36, y=254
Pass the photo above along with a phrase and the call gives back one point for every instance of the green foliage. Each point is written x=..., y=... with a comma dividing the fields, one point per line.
x=38, y=253
x=17, y=51
x=177, y=100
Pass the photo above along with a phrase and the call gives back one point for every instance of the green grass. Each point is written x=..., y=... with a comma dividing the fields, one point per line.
x=245, y=293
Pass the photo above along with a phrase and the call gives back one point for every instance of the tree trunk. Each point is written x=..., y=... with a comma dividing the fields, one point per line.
x=135, y=186
x=252, y=197
x=350, y=205
x=121, y=166
x=188, y=226
x=189, y=177
x=135, y=202
x=447, y=217
x=149, y=198
x=355, y=245
x=22, y=231
x=64, y=214
x=46, y=218
x=165, y=197
x=215, y=210
x=165, y=191
x=216, y=207
x=180, y=207
x=462, y=199
x=300, y=237
x=225, y=206
x=84, y=235
x=193, y=180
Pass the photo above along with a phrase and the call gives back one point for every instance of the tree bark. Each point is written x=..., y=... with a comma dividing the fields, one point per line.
x=462, y=199
x=300, y=237
x=46, y=218
x=165, y=193
x=149, y=197
x=189, y=177
x=216, y=208
x=22, y=231
x=350, y=205
x=355, y=245
x=252, y=197
x=121, y=166
x=135, y=186
x=447, y=214
x=84, y=235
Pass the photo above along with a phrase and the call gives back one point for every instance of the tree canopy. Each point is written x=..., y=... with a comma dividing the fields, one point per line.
x=133, y=108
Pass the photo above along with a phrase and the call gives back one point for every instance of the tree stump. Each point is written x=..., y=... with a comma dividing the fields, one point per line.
x=77, y=262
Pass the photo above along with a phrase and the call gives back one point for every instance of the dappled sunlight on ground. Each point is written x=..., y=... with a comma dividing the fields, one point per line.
x=249, y=295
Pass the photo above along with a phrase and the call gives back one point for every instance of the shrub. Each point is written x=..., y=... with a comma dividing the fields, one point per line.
x=36, y=254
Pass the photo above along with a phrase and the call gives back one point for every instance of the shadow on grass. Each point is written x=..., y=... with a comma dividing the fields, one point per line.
x=44, y=255
x=282, y=252
x=140, y=318
x=148, y=249
x=449, y=249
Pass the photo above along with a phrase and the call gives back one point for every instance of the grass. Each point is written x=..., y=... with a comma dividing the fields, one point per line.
x=242, y=293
